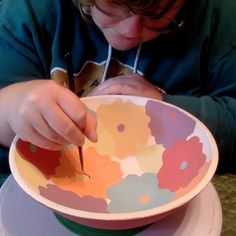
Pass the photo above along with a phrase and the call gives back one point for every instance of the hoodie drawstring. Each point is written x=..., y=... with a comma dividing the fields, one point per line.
x=109, y=54
x=107, y=63
x=137, y=59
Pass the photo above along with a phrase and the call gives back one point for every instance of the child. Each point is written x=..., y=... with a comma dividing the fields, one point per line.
x=179, y=51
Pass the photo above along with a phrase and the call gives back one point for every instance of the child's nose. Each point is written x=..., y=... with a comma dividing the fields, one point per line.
x=132, y=27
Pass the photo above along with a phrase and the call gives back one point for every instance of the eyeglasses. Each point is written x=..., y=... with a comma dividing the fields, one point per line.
x=152, y=21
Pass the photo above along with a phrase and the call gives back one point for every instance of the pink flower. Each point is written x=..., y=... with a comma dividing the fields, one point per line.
x=181, y=163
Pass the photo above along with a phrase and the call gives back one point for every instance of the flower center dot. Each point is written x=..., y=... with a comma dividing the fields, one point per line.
x=183, y=165
x=33, y=148
x=144, y=198
x=121, y=127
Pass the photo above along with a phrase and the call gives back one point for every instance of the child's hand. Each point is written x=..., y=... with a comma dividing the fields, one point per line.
x=131, y=84
x=46, y=114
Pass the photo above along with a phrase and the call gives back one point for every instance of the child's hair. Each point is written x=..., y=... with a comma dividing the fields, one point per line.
x=140, y=6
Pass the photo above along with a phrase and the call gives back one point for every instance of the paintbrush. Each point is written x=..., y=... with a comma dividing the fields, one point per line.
x=71, y=85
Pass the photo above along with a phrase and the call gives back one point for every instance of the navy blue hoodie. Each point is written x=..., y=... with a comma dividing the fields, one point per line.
x=195, y=66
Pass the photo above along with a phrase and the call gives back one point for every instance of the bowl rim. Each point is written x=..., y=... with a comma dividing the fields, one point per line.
x=129, y=215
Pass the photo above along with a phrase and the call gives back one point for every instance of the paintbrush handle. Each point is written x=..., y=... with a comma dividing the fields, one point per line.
x=81, y=158
x=71, y=85
x=71, y=81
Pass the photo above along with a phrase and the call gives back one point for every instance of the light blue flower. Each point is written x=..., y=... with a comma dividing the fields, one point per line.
x=137, y=193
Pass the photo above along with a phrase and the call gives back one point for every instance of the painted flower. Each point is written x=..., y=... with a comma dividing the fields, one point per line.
x=181, y=164
x=44, y=160
x=127, y=124
x=72, y=200
x=105, y=144
x=168, y=124
x=102, y=171
x=137, y=193
x=149, y=157
x=201, y=174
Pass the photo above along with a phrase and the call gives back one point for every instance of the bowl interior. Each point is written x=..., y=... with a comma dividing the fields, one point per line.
x=150, y=158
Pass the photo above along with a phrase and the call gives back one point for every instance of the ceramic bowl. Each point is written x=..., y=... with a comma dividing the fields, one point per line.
x=151, y=158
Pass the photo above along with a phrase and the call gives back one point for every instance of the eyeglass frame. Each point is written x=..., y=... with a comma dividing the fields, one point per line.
x=174, y=24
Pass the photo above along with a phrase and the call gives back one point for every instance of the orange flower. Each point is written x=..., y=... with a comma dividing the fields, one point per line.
x=127, y=124
x=102, y=171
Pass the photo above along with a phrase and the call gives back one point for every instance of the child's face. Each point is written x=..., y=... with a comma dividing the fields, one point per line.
x=124, y=29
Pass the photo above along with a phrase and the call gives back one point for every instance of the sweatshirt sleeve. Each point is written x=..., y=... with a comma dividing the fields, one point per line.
x=216, y=105
x=27, y=31
x=217, y=109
